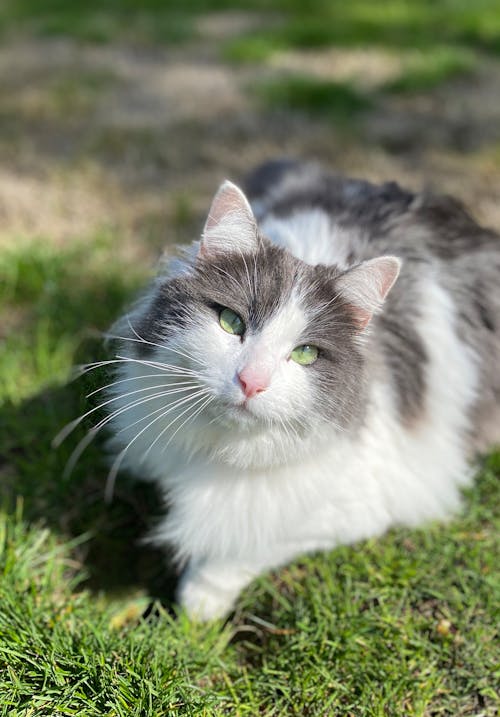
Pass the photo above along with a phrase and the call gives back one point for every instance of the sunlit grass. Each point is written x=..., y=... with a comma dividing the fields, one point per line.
x=395, y=23
x=427, y=70
x=398, y=24
x=53, y=306
x=402, y=625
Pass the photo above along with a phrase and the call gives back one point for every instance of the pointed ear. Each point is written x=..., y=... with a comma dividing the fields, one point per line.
x=230, y=224
x=365, y=286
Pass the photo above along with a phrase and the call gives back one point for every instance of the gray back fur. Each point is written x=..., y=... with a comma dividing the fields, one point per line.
x=432, y=234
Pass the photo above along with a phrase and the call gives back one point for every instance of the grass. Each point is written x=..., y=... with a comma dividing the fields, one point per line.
x=404, y=625
x=393, y=24
x=137, y=22
x=427, y=70
x=338, y=101
x=319, y=23
x=342, y=101
x=407, y=624
x=46, y=294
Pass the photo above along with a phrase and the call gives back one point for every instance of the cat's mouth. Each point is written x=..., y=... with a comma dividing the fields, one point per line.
x=243, y=409
x=243, y=413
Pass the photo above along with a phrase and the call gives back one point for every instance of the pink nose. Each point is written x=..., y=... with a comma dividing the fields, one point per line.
x=253, y=381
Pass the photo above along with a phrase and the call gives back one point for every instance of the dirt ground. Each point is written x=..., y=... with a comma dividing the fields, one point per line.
x=135, y=140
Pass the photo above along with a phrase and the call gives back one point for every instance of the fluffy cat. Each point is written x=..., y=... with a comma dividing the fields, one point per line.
x=320, y=366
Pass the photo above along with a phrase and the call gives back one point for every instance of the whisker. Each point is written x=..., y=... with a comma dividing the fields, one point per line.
x=188, y=419
x=200, y=393
x=136, y=378
x=139, y=402
x=187, y=354
x=205, y=391
x=85, y=368
x=285, y=429
x=92, y=433
x=151, y=343
x=233, y=279
x=110, y=482
x=248, y=275
x=322, y=307
x=293, y=428
x=73, y=424
x=145, y=418
x=255, y=273
x=170, y=366
x=77, y=452
x=215, y=418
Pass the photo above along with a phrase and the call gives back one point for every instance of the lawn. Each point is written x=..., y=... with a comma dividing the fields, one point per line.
x=102, y=162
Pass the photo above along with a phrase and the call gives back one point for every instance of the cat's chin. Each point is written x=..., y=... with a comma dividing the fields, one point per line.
x=245, y=440
x=241, y=414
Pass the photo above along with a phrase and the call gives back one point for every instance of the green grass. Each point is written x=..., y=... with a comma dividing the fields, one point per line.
x=129, y=21
x=319, y=23
x=343, y=101
x=338, y=101
x=57, y=305
x=419, y=24
x=404, y=625
x=430, y=69
x=407, y=624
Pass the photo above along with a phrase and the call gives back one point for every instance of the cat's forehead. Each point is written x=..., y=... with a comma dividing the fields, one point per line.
x=262, y=284
x=256, y=285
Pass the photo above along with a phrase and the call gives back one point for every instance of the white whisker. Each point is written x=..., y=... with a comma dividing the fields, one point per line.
x=200, y=394
x=152, y=413
x=85, y=368
x=233, y=279
x=250, y=294
x=73, y=424
x=140, y=340
x=172, y=367
x=92, y=433
x=187, y=354
x=188, y=420
x=136, y=378
x=108, y=493
x=139, y=402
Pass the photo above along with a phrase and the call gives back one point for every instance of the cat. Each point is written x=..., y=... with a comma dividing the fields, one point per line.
x=321, y=365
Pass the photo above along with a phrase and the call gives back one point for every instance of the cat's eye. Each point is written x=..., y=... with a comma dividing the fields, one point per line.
x=305, y=355
x=231, y=322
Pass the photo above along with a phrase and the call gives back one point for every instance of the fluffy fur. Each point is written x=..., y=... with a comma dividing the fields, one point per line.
x=379, y=431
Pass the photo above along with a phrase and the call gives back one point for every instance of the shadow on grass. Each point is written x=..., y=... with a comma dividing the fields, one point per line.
x=63, y=313
x=339, y=101
x=112, y=554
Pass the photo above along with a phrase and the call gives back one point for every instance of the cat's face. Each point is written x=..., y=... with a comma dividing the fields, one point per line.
x=264, y=333
x=272, y=343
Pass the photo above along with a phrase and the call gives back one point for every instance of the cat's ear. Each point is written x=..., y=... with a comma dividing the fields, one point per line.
x=365, y=286
x=230, y=224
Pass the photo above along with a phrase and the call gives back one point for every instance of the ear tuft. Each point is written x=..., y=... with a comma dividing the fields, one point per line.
x=366, y=286
x=230, y=224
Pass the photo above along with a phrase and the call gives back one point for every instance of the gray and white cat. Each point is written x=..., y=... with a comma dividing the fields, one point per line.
x=311, y=372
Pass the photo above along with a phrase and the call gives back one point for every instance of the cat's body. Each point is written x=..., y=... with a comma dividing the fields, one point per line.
x=263, y=458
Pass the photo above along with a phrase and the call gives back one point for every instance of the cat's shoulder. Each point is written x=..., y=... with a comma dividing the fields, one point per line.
x=436, y=223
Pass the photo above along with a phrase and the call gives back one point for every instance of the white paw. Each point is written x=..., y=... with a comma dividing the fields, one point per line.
x=204, y=601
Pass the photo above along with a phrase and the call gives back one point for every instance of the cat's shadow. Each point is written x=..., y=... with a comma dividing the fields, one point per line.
x=110, y=536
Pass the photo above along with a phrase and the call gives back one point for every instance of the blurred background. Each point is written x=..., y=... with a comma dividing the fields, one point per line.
x=118, y=119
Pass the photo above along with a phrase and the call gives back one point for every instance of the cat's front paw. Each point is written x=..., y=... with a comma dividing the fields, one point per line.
x=203, y=600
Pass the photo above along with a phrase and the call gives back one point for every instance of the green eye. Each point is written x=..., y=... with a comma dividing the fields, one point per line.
x=231, y=322
x=305, y=355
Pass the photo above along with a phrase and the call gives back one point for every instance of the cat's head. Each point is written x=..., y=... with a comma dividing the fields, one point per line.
x=265, y=348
